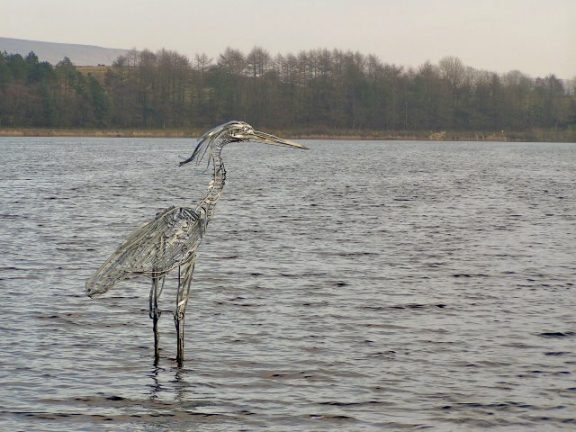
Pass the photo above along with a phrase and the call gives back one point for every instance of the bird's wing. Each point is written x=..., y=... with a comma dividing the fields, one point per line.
x=154, y=249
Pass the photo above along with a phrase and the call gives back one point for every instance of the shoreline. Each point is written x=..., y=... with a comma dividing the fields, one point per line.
x=524, y=136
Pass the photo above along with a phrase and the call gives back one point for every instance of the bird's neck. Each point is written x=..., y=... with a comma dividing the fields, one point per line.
x=215, y=187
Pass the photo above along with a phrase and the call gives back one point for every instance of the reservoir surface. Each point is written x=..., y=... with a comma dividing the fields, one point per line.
x=358, y=286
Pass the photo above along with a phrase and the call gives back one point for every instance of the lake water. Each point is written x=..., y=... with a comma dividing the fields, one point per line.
x=358, y=286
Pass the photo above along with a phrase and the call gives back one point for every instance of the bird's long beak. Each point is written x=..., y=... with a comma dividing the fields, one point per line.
x=256, y=136
x=265, y=138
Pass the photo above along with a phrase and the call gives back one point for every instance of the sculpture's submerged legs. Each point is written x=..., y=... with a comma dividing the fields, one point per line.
x=185, y=272
x=155, y=291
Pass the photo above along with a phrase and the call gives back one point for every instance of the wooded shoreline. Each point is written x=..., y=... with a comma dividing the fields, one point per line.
x=536, y=135
x=315, y=94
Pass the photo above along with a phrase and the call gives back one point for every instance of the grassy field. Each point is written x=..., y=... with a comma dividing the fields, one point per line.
x=120, y=133
x=98, y=72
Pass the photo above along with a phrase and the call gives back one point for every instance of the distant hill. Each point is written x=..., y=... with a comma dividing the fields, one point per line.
x=52, y=52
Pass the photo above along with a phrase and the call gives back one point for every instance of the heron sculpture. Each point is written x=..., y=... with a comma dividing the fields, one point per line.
x=172, y=238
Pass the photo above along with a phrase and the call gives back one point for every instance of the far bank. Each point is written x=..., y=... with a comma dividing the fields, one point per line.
x=535, y=135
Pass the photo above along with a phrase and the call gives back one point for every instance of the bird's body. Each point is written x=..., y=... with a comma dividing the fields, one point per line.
x=155, y=249
x=172, y=238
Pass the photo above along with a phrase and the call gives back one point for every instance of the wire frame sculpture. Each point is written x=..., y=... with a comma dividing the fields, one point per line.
x=170, y=241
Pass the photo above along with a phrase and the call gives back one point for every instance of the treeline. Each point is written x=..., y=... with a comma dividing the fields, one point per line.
x=317, y=90
x=34, y=93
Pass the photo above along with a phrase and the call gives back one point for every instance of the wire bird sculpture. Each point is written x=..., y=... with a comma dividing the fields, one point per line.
x=172, y=238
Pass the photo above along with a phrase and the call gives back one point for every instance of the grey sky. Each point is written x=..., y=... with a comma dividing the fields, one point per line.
x=537, y=37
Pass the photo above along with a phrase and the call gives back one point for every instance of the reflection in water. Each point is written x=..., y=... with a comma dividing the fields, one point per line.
x=421, y=285
x=155, y=387
x=178, y=386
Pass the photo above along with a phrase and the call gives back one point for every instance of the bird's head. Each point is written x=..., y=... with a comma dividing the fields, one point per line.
x=234, y=131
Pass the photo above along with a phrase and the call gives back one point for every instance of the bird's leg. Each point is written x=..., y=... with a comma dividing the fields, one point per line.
x=155, y=291
x=184, y=281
